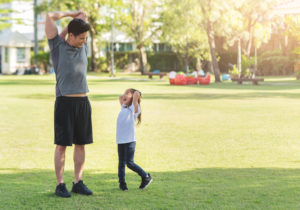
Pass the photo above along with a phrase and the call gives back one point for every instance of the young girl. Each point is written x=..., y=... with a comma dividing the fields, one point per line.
x=126, y=138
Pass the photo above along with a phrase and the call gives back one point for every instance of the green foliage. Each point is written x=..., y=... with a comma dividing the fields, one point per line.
x=227, y=59
x=42, y=59
x=247, y=63
x=101, y=64
x=121, y=59
x=163, y=61
x=180, y=29
x=5, y=16
x=234, y=71
x=275, y=63
x=137, y=19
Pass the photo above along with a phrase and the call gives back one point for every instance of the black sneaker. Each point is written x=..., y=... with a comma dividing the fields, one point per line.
x=81, y=188
x=123, y=186
x=145, y=182
x=62, y=191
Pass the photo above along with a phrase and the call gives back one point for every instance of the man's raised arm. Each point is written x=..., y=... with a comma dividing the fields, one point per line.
x=50, y=26
x=64, y=32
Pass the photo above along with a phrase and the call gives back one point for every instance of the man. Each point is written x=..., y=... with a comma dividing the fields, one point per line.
x=72, y=114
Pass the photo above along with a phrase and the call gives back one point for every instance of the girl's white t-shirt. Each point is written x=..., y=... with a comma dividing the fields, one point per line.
x=126, y=124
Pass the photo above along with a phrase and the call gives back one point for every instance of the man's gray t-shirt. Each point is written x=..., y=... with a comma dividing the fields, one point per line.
x=70, y=66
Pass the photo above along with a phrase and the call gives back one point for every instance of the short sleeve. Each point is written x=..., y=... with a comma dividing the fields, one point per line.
x=55, y=42
x=131, y=107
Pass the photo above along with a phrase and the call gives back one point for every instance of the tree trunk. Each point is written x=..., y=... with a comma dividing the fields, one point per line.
x=199, y=64
x=187, y=58
x=212, y=46
x=143, y=59
x=249, y=43
x=94, y=52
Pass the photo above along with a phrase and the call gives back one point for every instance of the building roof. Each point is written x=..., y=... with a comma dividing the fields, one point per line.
x=10, y=38
x=122, y=37
x=288, y=7
x=118, y=36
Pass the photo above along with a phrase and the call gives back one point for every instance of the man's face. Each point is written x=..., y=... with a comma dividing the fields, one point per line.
x=79, y=40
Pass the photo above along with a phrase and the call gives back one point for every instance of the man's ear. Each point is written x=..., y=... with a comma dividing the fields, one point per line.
x=71, y=35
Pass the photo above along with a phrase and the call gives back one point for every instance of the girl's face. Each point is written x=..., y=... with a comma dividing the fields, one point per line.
x=127, y=97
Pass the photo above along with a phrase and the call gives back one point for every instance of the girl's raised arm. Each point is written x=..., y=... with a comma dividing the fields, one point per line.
x=136, y=96
x=121, y=99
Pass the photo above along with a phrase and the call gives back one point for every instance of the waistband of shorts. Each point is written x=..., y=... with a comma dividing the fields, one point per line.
x=72, y=99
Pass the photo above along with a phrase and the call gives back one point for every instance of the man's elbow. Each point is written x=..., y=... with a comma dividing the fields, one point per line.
x=48, y=15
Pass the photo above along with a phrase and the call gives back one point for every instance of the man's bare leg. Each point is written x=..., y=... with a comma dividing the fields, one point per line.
x=79, y=157
x=59, y=161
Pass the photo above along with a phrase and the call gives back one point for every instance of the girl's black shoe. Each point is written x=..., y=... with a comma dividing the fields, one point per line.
x=145, y=182
x=123, y=186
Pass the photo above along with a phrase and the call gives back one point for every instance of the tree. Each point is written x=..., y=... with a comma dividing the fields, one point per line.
x=256, y=22
x=5, y=19
x=138, y=18
x=181, y=32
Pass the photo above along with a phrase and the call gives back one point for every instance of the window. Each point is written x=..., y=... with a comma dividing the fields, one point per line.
x=20, y=54
x=161, y=47
x=6, y=55
x=128, y=47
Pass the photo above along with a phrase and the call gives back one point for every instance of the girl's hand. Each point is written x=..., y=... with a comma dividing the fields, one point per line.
x=137, y=94
x=136, y=97
x=121, y=99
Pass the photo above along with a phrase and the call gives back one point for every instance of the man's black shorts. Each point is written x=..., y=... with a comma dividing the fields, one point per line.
x=72, y=121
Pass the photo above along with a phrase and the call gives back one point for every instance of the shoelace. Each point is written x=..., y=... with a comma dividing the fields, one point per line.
x=62, y=188
x=83, y=186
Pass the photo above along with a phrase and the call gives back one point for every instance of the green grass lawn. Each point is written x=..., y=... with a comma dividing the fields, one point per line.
x=222, y=146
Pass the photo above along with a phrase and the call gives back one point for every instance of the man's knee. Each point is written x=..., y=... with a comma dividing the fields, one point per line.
x=61, y=149
x=79, y=147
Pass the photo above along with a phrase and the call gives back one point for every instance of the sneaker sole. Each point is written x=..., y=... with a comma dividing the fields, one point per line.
x=61, y=196
x=147, y=185
x=82, y=193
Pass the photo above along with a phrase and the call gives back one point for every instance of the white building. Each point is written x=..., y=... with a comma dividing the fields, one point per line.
x=14, y=52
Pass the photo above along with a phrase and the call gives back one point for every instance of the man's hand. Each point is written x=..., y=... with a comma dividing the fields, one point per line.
x=75, y=14
x=50, y=26
x=82, y=16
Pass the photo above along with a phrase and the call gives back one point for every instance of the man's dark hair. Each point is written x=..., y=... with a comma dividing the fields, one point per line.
x=78, y=26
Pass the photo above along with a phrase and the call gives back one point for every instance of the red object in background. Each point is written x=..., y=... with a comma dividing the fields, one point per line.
x=191, y=80
x=172, y=81
x=180, y=80
x=204, y=80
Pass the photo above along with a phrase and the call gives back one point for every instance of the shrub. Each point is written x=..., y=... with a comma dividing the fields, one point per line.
x=42, y=59
x=275, y=63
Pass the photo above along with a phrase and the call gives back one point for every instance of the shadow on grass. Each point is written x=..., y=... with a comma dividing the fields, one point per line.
x=93, y=81
x=26, y=82
x=205, y=188
x=274, y=85
x=179, y=96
